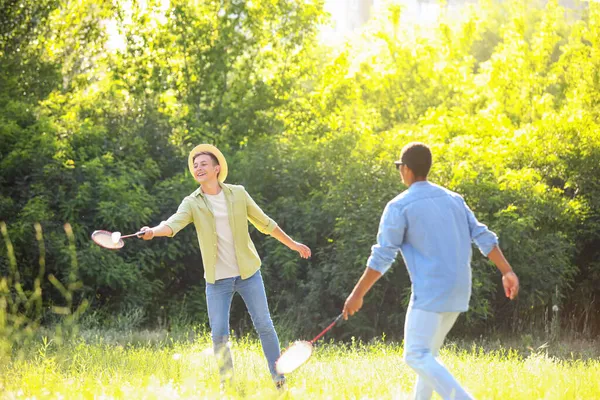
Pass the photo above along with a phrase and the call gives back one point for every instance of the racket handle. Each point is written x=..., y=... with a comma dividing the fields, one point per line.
x=328, y=328
x=138, y=234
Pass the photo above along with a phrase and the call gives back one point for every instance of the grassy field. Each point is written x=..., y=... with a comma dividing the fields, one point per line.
x=157, y=365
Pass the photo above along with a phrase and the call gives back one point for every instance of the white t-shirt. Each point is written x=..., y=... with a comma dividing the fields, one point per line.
x=227, y=266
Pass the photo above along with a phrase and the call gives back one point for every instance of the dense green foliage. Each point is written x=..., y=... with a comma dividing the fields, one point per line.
x=97, y=135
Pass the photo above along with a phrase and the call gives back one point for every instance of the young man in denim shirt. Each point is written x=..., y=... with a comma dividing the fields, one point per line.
x=433, y=229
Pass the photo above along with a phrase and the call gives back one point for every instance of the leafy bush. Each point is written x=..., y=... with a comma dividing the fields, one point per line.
x=507, y=99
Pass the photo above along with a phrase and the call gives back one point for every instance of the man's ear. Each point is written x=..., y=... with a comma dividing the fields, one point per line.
x=218, y=169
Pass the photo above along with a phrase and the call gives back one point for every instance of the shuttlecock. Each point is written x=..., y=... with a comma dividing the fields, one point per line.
x=115, y=236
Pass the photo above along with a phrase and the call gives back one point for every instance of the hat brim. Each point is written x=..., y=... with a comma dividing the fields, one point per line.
x=209, y=148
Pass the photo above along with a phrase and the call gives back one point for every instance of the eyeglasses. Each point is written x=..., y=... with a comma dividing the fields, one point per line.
x=399, y=164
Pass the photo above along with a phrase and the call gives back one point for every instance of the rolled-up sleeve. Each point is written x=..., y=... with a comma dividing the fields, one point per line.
x=390, y=237
x=257, y=217
x=180, y=219
x=485, y=239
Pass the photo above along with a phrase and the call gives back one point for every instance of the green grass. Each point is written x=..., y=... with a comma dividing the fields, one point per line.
x=155, y=365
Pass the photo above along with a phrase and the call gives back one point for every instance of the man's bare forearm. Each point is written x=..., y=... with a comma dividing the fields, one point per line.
x=280, y=235
x=157, y=231
x=366, y=282
x=302, y=249
x=354, y=302
x=499, y=260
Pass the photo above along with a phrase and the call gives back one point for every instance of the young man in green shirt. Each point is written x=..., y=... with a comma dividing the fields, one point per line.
x=220, y=213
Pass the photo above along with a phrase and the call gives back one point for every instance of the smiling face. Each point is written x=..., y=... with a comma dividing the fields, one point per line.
x=206, y=169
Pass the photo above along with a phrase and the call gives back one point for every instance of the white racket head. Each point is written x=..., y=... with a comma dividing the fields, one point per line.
x=294, y=356
x=105, y=239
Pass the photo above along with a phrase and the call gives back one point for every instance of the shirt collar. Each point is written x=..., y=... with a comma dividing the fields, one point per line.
x=419, y=184
x=199, y=192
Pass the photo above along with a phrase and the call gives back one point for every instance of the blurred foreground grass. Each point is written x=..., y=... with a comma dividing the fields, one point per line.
x=160, y=365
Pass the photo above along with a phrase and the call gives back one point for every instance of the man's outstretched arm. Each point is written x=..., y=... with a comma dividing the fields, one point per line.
x=280, y=235
x=389, y=239
x=159, y=230
x=487, y=241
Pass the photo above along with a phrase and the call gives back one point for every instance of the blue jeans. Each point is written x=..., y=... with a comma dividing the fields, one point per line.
x=218, y=298
x=424, y=334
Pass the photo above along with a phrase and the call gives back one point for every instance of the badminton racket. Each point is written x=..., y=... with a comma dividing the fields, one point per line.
x=299, y=352
x=111, y=240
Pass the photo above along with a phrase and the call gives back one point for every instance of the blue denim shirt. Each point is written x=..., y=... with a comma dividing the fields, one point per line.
x=433, y=229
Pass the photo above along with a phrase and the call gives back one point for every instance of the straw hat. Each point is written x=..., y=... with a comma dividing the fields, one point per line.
x=209, y=148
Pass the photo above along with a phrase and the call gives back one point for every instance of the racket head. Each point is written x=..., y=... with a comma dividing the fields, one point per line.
x=104, y=239
x=294, y=357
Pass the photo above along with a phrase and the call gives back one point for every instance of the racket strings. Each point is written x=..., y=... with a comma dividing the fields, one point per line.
x=294, y=356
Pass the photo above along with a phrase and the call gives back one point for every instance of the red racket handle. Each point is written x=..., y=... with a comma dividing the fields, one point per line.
x=327, y=329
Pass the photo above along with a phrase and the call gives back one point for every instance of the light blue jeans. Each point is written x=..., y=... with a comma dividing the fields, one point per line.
x=424, y=334
x=218, y=298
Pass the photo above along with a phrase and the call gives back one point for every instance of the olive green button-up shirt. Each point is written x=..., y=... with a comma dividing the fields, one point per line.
x=241, y=208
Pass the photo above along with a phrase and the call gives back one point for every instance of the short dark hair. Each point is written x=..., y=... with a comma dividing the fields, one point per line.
x=417, y=157
x=214, y=159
